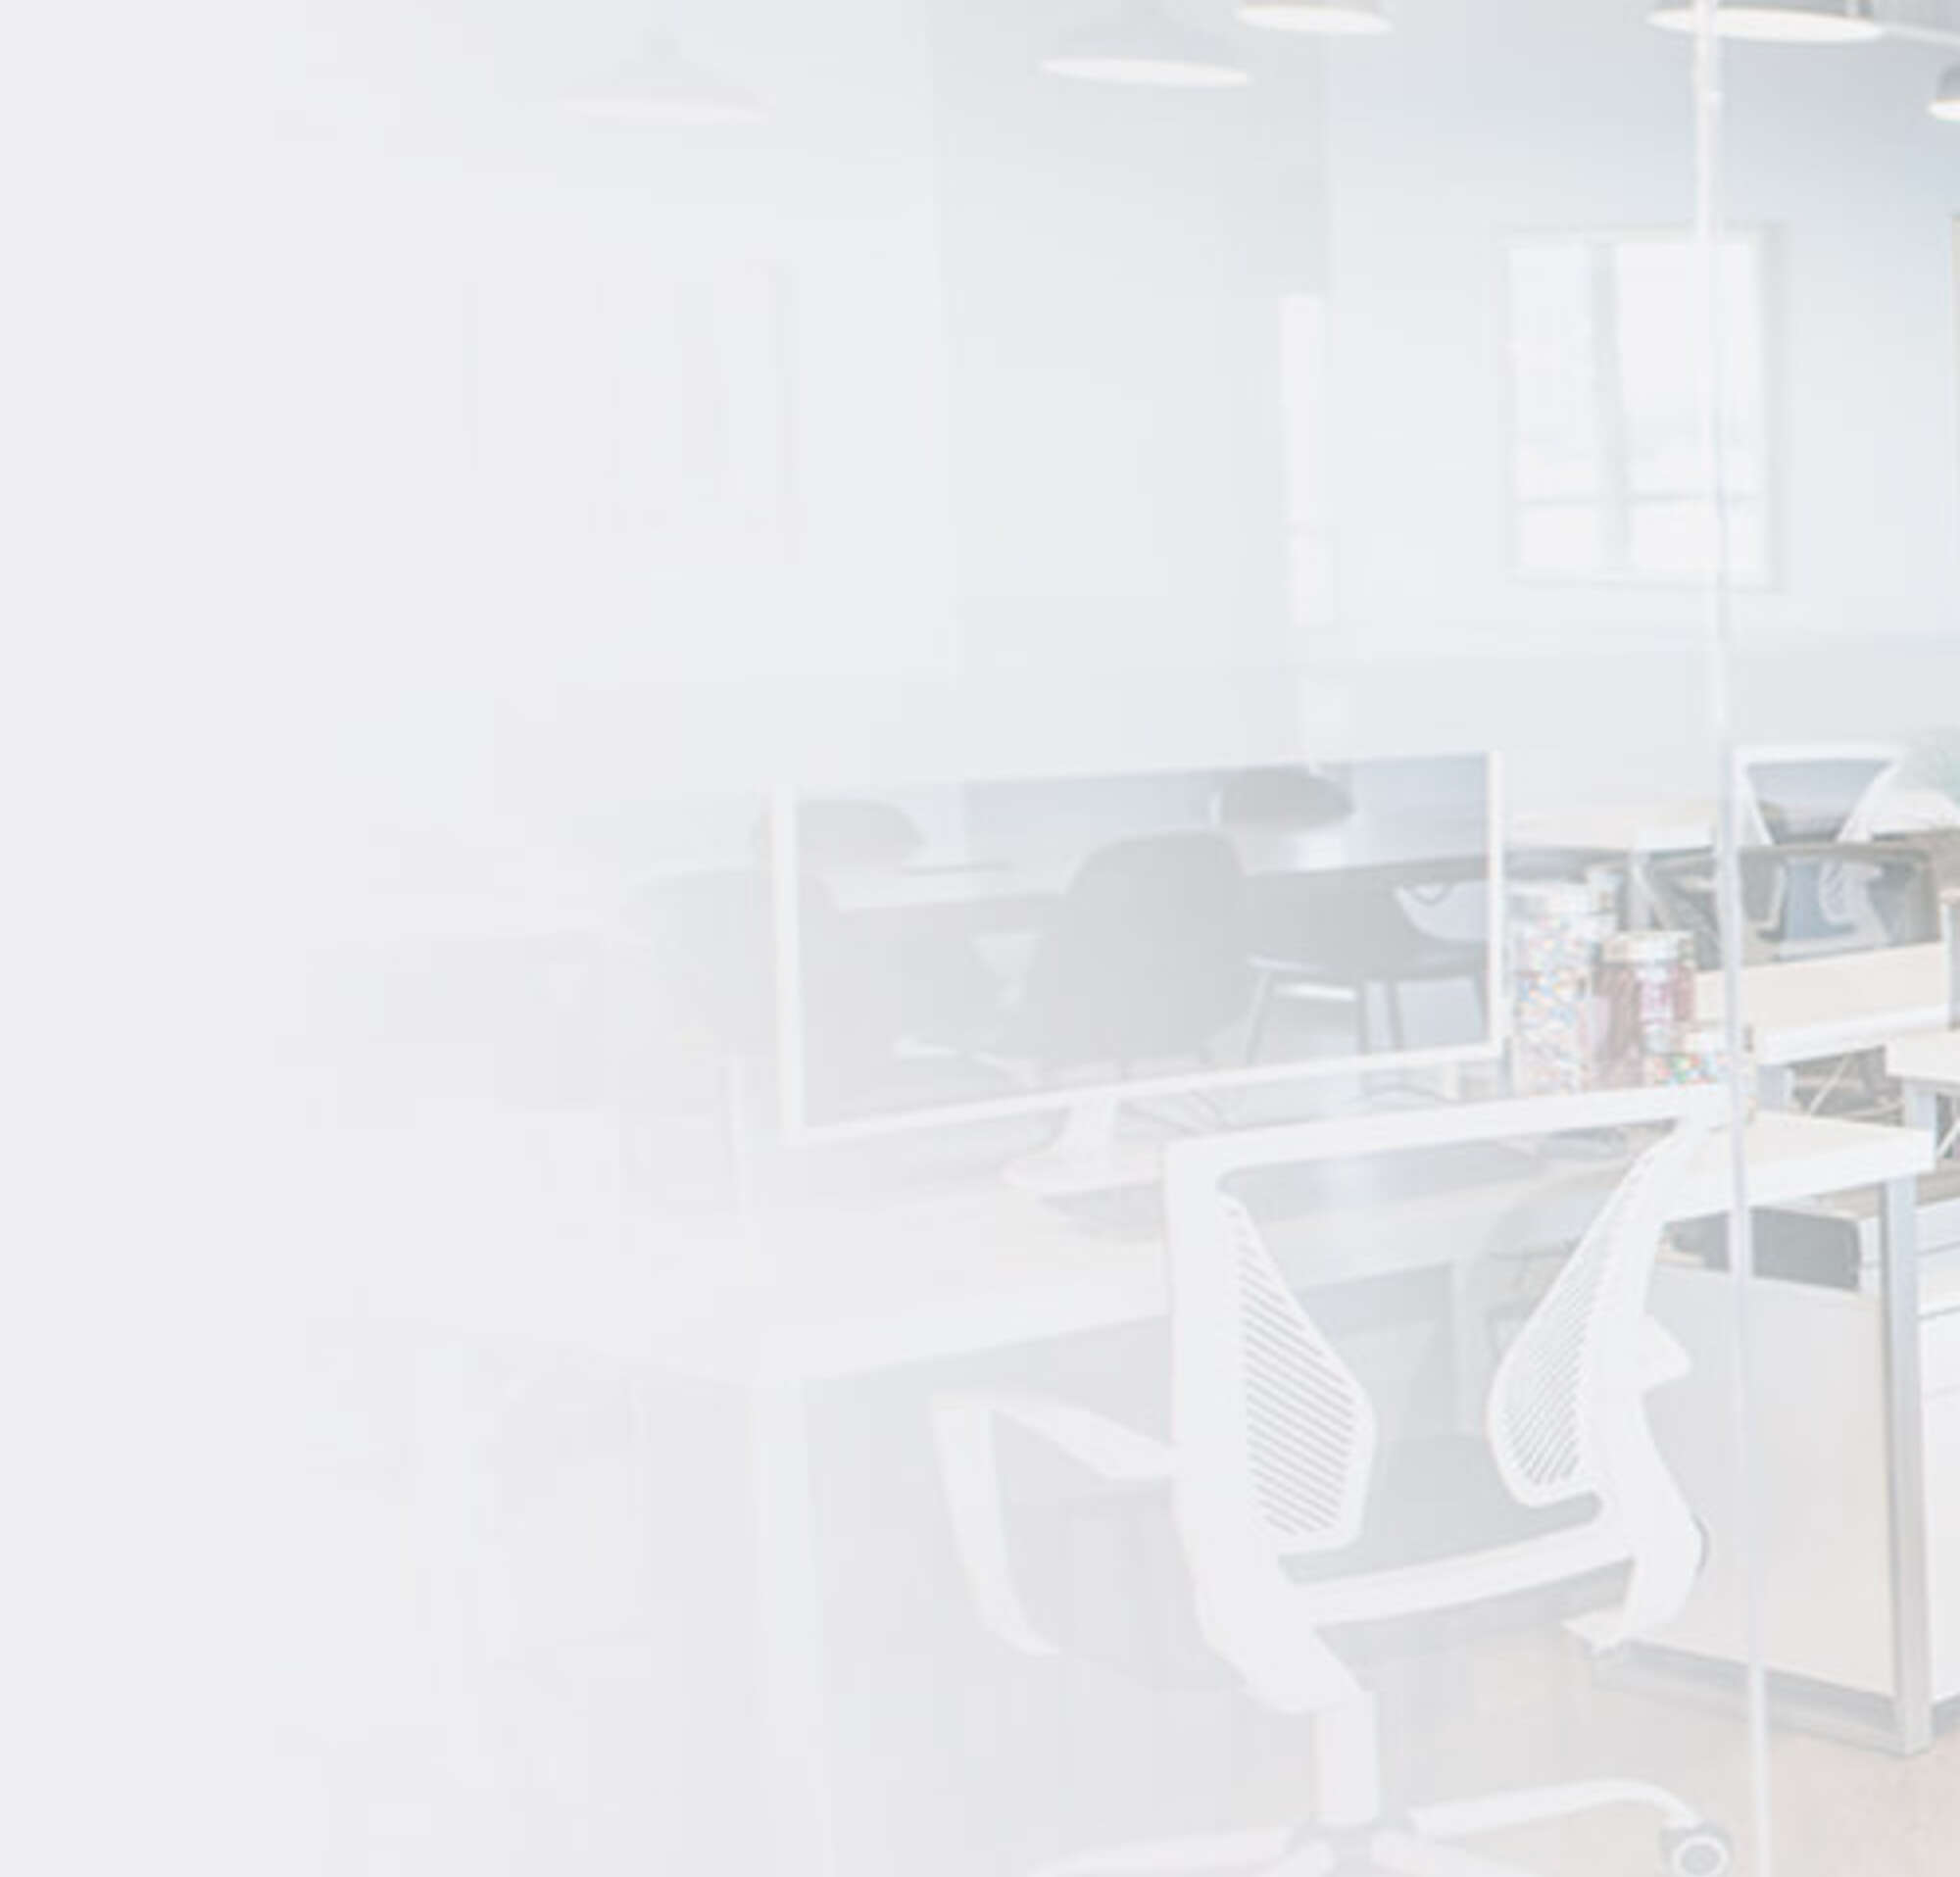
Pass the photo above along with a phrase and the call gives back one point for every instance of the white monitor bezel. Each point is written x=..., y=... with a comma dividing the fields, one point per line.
x=799, y=1130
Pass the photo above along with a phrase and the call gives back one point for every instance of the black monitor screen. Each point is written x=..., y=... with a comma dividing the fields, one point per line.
x=998, y=940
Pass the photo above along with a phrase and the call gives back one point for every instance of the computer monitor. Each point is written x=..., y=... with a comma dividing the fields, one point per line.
x=957, y=951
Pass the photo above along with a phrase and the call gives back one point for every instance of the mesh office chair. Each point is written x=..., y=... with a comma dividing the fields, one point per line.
x=1810, y=791
x=1359, y=929
x=1808, y=899
x=1273, y=1467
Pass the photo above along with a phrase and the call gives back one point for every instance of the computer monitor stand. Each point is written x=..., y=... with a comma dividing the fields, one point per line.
x=1086, y=1155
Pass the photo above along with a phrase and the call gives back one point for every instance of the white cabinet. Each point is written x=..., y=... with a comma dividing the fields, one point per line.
x=1818, y=1460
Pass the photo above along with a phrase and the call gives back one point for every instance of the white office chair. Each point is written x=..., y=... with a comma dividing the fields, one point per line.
x=1270, y=1465
x=1811, y=791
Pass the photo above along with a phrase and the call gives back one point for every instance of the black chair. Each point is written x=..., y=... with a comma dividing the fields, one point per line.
x=1808, y=899
x=1144, y=956
x=1293, y=799
x=1353, y=929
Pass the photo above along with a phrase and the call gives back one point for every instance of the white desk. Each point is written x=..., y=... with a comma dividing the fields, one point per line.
x=1929, y=1066
x=1806, y=1009
x=826, y=1293
x=1630, y=832
x=1627, y=828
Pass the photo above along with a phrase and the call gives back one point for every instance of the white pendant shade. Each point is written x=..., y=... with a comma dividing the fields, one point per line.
x=1145, y=45
x=1945, y=104
x=1809, y=22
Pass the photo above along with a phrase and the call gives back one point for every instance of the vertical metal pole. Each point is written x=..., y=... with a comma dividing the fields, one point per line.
x=1706, y=82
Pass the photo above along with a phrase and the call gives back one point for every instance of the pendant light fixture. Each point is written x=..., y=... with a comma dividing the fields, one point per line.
x=1332, y=19
x=1143, y=44
x=663, y=86
x=1946, y=105
x=1797, y=22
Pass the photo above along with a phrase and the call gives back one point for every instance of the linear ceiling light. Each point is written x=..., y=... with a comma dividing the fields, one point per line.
x=1795, y=23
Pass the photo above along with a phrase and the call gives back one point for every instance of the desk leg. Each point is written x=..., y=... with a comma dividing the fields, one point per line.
x=797, y=1799
x=1905, y=1470
x=1469, y=1357
x=1921, y=1105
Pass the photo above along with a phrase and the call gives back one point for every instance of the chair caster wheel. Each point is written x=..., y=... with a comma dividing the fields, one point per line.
x=1700, y=1851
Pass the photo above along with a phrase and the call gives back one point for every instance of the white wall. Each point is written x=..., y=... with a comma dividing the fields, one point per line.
x=1114, y=261
x=1035, y=407
x=1038, y=450
x=1464, y=131
x=1460, y=137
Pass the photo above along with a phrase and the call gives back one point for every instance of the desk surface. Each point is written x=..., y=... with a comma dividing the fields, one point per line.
x=827, y=1291
x=1932, y=1059
x=1650, y=827
x=1806, y=1009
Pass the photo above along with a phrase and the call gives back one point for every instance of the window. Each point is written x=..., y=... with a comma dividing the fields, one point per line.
x=1609, y=481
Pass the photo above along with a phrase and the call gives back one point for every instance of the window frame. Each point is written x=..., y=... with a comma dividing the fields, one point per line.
x=1616, y=497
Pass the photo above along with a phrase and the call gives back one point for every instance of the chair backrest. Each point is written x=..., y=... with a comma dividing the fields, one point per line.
x=1574, y=1366
x=1368, y=924
x=1306, y=1430
x=1146, y=954
x=1809, y=792
x=1275, y=1438
x=1295, y=800
x=1809, y=899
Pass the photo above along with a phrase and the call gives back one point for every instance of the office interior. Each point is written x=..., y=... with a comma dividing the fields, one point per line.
x=1076, y=801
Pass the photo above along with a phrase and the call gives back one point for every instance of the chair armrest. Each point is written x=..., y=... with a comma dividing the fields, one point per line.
x=964, y=1428
x=1669, y=1544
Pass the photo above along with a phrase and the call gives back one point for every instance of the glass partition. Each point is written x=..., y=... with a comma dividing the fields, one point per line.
x=1842, y=662
x=1149, y=756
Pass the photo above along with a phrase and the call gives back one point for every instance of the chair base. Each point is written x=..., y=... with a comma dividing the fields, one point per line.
x=1424, y=1845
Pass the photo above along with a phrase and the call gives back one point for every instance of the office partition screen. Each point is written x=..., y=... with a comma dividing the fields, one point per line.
x=1004, y=421
x=963, y=948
